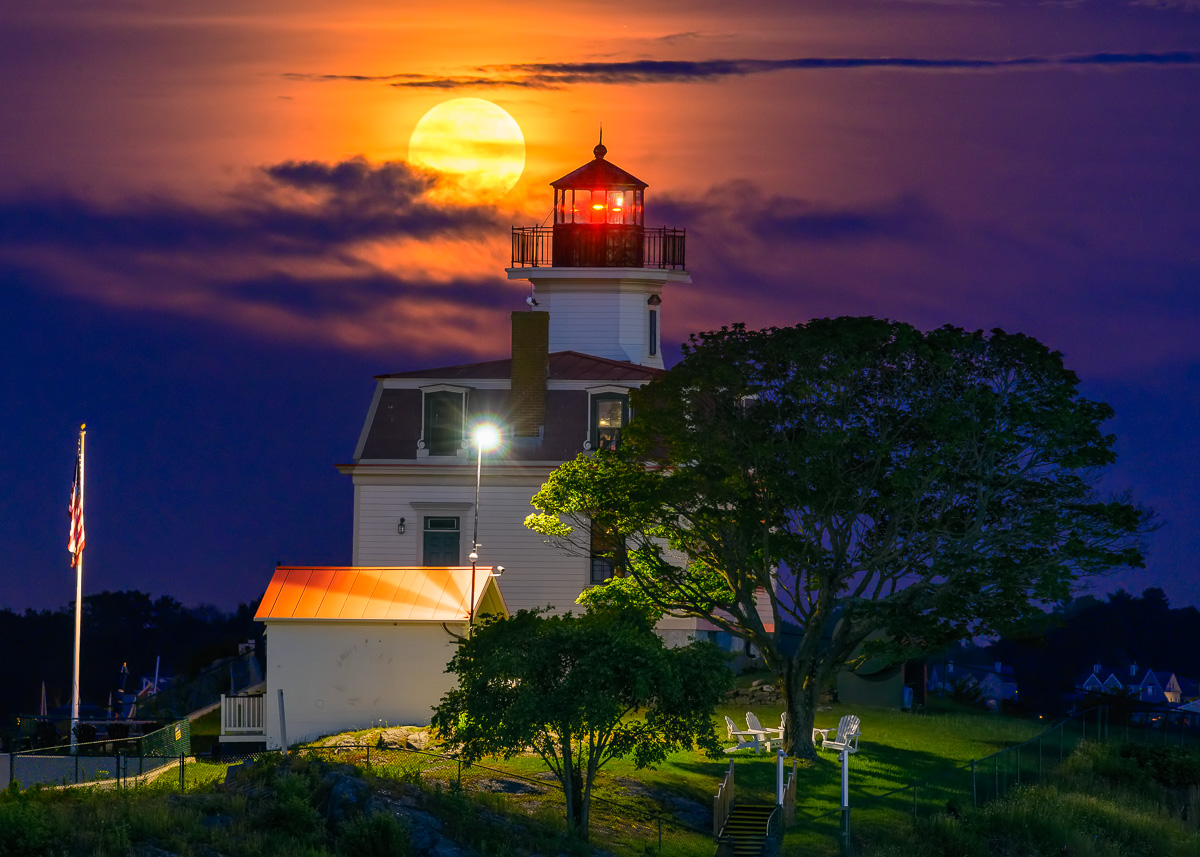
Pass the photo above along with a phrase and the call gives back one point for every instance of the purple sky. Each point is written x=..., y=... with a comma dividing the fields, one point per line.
x=210, y=242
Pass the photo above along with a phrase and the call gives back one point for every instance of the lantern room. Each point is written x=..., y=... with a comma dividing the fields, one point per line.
x=599, y=222
x=599, y=193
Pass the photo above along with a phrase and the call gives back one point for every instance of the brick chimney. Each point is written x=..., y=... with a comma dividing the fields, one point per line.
x=530, y=366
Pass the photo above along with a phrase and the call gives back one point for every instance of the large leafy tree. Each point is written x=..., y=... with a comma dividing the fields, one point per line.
x=580, y=691
x=863, y=474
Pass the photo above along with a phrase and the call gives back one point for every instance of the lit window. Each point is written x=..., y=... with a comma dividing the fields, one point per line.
x=610, y=413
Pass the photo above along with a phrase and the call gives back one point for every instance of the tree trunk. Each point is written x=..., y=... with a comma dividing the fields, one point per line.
x=570, y=784
x=585, y=806
x=579, y=810
x=803, y=691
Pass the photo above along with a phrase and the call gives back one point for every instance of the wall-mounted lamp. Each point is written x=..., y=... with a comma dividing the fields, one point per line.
x=654, y=300
x=400, y=527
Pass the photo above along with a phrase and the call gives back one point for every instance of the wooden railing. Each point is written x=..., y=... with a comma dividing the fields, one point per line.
x=243, y=715
x=723, y=802
x=789, y=797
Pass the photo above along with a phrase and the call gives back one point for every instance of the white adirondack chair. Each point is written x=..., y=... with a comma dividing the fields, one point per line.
x=739, y=736
x=769, y=734
x=845, y=738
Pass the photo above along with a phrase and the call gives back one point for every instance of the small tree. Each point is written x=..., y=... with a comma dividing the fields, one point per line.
x=867, y=477
x=580, y=691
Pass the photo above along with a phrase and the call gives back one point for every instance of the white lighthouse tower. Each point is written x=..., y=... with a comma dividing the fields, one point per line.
x=598, y=271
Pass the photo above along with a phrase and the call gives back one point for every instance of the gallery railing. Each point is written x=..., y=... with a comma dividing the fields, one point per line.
x=600, y=246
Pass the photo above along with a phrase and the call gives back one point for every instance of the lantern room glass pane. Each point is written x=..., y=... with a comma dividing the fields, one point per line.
x=599, y=207
x=616, y=206
x=581, y=211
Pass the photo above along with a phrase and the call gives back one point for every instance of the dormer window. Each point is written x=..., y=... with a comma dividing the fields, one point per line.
x=443, y=423
x=609, y=414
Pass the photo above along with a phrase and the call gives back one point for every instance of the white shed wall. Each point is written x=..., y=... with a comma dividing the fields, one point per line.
x=337, y=676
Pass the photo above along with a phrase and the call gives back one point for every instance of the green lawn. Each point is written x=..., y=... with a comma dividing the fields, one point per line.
x=896, y=749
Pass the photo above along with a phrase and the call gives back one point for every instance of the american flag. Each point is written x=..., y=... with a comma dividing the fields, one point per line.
x=76, y=541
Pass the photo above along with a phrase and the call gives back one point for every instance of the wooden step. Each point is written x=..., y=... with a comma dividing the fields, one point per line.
x=746, y=829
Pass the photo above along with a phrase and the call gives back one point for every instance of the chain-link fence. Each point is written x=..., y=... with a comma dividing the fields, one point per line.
x=981, y=780
x=1134, y=722
x=1031, y=762
x=98, y=761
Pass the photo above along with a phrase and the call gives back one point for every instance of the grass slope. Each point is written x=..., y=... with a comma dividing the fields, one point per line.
x=1099, y=803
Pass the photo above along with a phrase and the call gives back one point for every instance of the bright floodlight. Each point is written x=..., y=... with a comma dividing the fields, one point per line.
x=486, y=437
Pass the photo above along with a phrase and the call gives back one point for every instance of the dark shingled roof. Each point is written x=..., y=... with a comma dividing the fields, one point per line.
x=596, y=174
x=564, y=366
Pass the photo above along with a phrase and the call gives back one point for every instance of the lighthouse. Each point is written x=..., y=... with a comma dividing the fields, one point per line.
x=588, y=336
x=598, y=272
x=438, y=515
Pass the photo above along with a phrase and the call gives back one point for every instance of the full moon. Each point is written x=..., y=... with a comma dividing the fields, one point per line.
x=475, y=145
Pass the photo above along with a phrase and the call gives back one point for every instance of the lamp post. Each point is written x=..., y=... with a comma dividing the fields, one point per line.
x=485, y=436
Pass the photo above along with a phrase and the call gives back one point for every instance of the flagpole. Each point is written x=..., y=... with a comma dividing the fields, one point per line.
x=78, y=602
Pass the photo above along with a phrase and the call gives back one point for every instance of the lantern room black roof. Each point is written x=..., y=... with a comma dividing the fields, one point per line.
x=597, y=174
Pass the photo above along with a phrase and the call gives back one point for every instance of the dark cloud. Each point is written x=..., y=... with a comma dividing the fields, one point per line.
x=671, y=71
x=742, y=207
x=672, y=38
x=422, y=81
x=1117, y=310
x=379, y=292
x=312, y=251
x=296, y=208
x=562, y=74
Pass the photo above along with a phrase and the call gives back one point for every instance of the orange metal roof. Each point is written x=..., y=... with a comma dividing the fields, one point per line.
x=356, y=594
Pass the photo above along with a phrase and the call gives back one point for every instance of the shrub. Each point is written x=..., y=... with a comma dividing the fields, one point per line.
x=24, y=829
x=966, y=690
x=375, y=835
x=1173, y=767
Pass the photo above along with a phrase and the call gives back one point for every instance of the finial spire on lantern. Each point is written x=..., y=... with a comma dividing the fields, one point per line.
x=600, y=151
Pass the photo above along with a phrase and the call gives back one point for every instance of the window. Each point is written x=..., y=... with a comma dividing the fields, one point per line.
x=603, y=545
x=653, y=332
x=443, y=426
x=610, y=413
x=441, y=541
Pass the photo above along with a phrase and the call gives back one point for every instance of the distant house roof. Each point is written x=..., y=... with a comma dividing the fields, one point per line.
x=377, y=594
x=564, y=366
x=1166, y=678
